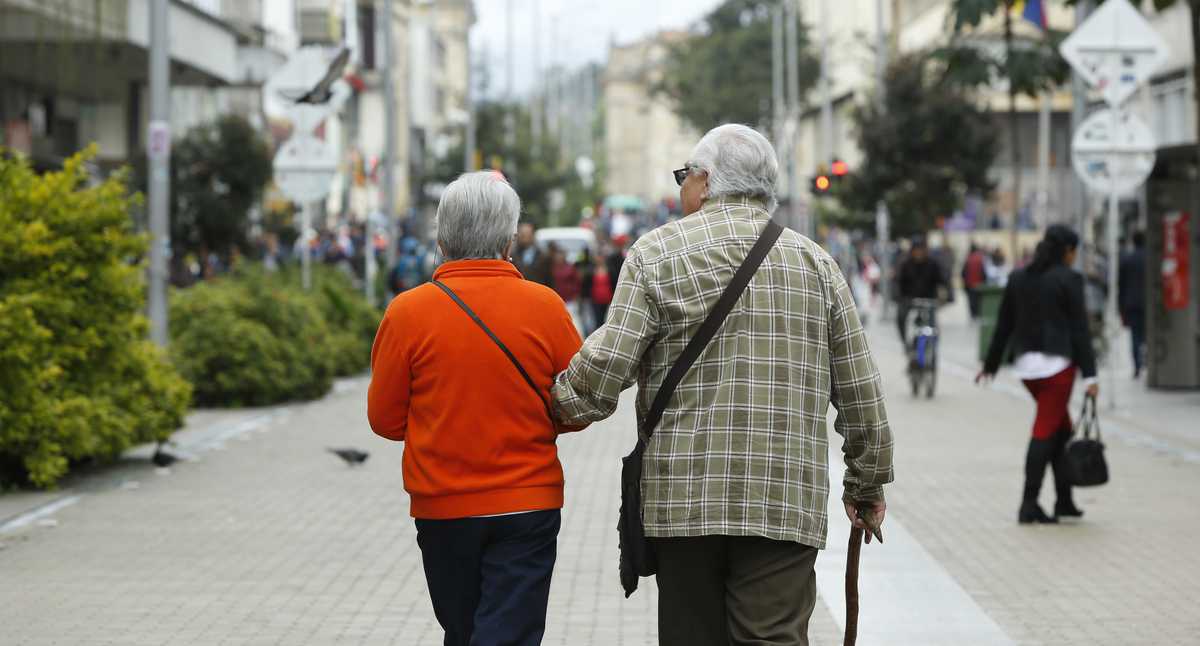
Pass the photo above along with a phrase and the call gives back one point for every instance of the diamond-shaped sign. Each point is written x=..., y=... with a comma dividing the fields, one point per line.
x=1115, y=50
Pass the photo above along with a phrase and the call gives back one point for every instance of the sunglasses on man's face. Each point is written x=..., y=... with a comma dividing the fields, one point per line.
x=680, y=175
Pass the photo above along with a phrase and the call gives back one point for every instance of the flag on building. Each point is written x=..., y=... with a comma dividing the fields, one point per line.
x=1032, y=10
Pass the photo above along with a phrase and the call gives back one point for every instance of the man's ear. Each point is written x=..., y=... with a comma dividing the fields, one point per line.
x=507, y=253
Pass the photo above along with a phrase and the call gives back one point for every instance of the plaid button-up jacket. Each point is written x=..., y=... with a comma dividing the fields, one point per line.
x=742, y=448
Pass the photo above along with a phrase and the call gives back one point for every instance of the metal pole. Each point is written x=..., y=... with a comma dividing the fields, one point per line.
x=1078, y=113
x=159, y=143
x=1112, y=319
x=535, y=118
x=510, y=122
x=793, y=58
x=306, y=248
x=469, y=139
x=777, y=98
x=797, y=218
x=882, y=224
x=827, y=141
x=1043, y=191
x=508, y=50
x=1014, y=135
x=389, y=129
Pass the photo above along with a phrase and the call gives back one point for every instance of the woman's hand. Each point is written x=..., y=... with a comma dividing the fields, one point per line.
x=984, y=377
x=1093, y=390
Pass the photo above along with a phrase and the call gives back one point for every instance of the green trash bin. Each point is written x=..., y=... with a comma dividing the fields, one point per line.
x=989, y=311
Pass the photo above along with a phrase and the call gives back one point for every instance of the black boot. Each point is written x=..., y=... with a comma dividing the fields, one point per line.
x=1064, y=506
x=1036, y=458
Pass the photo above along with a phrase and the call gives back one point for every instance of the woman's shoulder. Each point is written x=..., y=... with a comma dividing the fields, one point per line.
x=1065, y=274
x=528, y=292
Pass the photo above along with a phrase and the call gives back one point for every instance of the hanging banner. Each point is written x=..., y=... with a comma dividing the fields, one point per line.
x=1176, y=264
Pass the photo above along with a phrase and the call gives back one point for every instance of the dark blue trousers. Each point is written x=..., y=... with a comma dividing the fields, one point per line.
x=489, y=578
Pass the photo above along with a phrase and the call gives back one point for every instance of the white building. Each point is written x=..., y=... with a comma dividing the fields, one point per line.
x=644, y=140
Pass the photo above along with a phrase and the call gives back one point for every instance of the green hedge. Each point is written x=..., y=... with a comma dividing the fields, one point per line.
x=255, y=338
x=78, y=379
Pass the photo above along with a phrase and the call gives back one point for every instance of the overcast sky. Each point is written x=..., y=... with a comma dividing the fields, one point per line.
x=569, y=31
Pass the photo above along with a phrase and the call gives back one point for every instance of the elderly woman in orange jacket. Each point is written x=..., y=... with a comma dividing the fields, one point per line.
x=462, y=369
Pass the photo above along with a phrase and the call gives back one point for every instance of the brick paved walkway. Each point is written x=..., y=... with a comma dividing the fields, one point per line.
x=266, y=539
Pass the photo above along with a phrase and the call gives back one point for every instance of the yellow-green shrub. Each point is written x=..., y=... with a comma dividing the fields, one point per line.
x=78, y=379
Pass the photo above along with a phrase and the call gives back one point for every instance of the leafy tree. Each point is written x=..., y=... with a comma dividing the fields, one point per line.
x=535, y=168
x=722, y=72
x=219, y=171
x=926, y=148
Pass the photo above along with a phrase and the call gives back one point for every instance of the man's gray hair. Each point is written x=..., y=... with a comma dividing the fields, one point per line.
x=477, y=216
x=740, y=162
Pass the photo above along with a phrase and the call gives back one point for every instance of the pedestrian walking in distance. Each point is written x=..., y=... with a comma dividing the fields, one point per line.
x=472, y=408
x=1043, y=324
x=734, y=481
x=1131, y=298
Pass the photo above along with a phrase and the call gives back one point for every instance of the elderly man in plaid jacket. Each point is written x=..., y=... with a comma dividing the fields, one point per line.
x=735, y=484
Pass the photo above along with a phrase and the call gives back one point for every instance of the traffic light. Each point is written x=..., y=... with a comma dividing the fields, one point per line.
x=840, y=169
x=825, y=179
x=821, y=184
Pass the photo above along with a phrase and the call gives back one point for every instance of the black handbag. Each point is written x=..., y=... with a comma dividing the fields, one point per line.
x=637, y=557
x=1085, y=453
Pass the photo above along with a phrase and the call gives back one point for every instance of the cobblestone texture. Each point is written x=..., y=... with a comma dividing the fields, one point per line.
x=267, y=539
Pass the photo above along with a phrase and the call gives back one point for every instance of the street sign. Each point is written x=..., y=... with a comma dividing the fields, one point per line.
x=305, y=167
x=1113, y=151
x=1115, y=50
x=158, y=139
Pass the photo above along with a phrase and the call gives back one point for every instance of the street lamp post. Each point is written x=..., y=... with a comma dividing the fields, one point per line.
x=158, y=145
x=389, y=129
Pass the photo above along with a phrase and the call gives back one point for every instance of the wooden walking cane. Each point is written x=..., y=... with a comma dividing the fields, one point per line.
x=852, y=557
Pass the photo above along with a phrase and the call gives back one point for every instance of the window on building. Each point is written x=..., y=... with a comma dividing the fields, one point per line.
x=1174, y=112
x=366, y=35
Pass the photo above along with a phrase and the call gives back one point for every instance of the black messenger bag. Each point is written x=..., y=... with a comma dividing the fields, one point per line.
x=637, y=554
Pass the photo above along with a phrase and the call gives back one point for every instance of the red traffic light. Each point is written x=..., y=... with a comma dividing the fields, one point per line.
x=840, y=168
x=822, y=183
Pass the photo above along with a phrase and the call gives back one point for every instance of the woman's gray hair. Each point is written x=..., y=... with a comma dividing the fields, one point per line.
x=739, y=161
x=477, y=216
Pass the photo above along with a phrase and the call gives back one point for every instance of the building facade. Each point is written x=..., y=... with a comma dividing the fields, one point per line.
x=644, y=140
x=77, y=73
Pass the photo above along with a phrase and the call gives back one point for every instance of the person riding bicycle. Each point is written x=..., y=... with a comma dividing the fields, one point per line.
x=919, y=277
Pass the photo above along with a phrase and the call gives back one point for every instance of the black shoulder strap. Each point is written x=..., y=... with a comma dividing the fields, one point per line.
x=507, y=353
x=709, y=327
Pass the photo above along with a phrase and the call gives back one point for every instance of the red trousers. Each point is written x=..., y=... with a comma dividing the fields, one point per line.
x=1053, y=394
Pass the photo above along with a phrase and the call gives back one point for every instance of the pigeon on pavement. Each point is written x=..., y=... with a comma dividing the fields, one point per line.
x=351, y=456
x=161, y=458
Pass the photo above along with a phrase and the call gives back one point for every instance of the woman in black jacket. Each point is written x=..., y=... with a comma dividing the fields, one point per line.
x=1044, y=324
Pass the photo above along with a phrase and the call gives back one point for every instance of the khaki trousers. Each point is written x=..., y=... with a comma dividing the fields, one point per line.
x=734, y=591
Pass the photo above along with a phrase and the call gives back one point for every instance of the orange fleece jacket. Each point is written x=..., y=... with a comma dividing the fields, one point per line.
x=476, y=439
